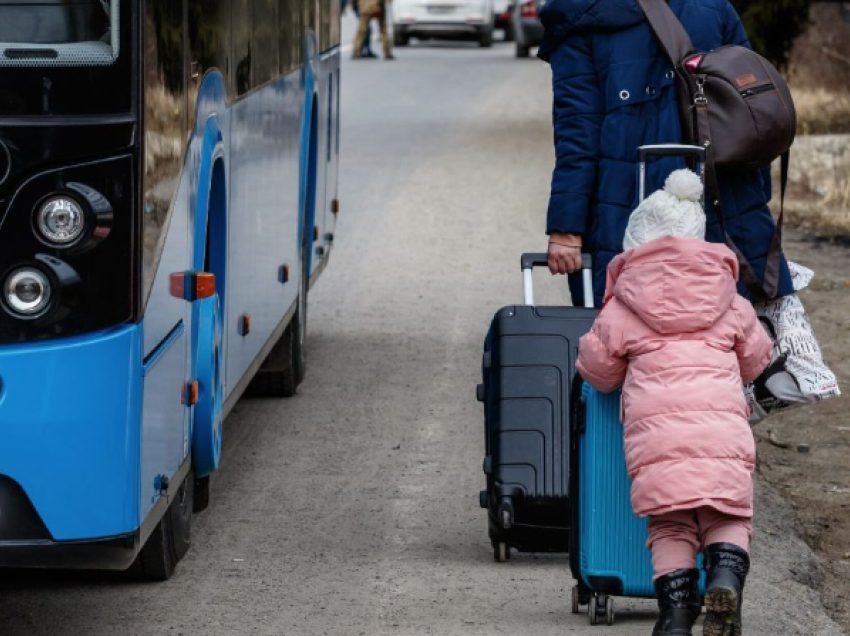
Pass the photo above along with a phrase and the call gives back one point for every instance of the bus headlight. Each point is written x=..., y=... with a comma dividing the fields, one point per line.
x=27, y=291
x=61, y=220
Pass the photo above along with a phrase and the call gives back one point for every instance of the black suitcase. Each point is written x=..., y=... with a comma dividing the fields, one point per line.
x=528, y=370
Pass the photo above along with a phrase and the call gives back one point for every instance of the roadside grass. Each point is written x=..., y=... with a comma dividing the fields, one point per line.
x=822, y=110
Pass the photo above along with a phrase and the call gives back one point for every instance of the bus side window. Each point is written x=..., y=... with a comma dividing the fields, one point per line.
x=294, y=30
x=285, y=35
x=310, y=15
x=335, y=23
x=325, y=19
x=165, y=123
x=241, y=24
x=209, y=34
x=265, y=42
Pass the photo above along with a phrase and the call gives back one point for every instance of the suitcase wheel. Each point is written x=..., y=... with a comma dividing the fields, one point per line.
x=501, y=552
x=480, y=393
x=601, y=607
x=483, y=498
x=578, y=598
x=506, y=513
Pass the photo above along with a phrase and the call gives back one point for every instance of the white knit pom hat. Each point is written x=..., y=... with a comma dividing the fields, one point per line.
x=673, y=211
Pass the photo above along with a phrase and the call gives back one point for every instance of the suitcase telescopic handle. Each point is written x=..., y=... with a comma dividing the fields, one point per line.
x=666, y=150
x=531, y=260
x=671, y=150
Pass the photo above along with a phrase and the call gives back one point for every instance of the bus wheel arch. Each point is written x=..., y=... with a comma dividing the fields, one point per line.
x=208, y=324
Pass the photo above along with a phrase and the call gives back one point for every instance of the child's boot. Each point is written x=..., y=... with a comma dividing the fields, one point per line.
x=678, y=602
x=726, y=567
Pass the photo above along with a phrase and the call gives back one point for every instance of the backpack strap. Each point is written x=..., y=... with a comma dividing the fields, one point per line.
x=677, y=45
x=669, y=32
x=769, y=288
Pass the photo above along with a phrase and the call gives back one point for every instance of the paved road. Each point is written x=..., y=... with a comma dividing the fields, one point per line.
x=352, y=508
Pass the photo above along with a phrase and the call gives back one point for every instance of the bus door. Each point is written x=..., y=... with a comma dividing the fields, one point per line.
x=167, y=247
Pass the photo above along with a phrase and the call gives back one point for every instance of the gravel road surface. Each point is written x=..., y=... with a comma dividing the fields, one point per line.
x=352, y=509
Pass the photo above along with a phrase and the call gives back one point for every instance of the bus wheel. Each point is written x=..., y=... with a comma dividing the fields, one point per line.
x=275, y=378
x=172, y=537
x=207, y=420
x=299, y=322
x=202, y=494
x=285, y=366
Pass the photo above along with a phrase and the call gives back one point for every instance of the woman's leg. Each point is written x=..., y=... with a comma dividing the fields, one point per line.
x=727, y=562
x=674, y=541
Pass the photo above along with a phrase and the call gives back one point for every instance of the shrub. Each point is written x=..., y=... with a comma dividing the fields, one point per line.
x=773, y=25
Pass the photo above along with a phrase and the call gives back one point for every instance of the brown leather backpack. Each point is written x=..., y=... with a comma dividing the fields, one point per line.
x=735, y=104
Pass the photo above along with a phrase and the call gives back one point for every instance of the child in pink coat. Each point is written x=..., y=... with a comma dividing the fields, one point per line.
x=674, y=333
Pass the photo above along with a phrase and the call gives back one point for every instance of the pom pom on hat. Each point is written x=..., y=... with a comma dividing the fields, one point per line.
x=684, y=184
x=673, y=211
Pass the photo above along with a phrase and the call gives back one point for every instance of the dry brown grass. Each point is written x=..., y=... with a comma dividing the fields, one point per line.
x=819, y=189
x=838, y=194
x=822, y=111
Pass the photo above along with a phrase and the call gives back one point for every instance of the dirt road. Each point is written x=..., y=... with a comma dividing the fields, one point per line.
x=352, y=509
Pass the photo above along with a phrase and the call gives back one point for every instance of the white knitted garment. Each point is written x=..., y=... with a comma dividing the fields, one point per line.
x=672, y=211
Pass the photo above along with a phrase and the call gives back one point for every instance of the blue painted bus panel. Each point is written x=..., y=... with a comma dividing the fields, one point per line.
x=264, y=214
x=69, y=430
x=328, y=160
x=165, y=431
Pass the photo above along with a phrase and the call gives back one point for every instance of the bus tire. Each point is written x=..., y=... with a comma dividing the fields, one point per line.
x=286, y=365
x=202, y=494
x=299, y=323
x=172, y=537
x=276, y=377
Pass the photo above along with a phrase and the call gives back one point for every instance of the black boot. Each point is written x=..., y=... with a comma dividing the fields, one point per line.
x=678, y=602
x=726, y=567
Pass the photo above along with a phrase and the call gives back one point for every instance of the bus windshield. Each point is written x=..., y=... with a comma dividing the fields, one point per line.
x=58, y=32
x=64, y=57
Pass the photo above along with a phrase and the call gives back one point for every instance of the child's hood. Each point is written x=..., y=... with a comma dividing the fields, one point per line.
x=675, y=285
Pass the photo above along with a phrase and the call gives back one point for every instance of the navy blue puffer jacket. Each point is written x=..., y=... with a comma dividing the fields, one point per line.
x=613, y=91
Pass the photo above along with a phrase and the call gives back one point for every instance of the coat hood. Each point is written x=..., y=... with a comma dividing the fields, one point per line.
x=675, y=285
x=563, y=17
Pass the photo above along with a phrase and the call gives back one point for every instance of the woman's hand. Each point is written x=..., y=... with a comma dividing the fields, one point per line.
x=564, y=253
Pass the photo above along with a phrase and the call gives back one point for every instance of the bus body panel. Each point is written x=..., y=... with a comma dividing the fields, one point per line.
x=165, y=428
x=329, y=149
x=264, y=216
x=69, y=424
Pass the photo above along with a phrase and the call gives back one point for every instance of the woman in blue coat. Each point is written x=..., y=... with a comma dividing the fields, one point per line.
x=614, y=91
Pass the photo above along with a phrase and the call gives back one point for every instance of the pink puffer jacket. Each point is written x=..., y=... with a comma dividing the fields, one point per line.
x=681, y=341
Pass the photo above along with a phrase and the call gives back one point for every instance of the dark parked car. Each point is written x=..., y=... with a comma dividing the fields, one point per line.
x=528, y=30
x=503, y=11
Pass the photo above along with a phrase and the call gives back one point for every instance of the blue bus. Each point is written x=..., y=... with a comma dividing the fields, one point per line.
x=168, y=196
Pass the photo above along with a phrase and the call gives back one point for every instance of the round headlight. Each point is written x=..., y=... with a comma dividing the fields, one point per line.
x=27, y=291
x=61, y=220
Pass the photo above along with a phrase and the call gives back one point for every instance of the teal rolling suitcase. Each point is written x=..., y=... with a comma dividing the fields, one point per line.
x=608, y=553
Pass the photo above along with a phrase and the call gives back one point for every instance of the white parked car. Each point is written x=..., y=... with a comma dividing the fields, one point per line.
x=444, y=19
